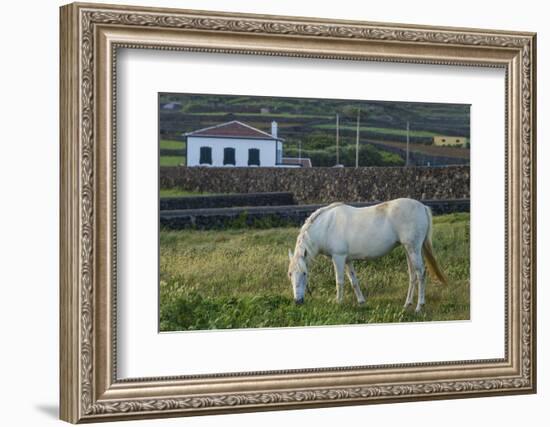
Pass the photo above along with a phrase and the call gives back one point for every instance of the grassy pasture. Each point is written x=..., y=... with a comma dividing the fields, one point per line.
x=379, y=130
x=172, y=160
x=179, y=192
x=172, y=144
x=169, y=144
x=236, y=278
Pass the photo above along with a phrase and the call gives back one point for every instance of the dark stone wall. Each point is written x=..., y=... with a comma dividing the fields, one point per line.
x=271, y=216
x=226, y=200
x=325, y=185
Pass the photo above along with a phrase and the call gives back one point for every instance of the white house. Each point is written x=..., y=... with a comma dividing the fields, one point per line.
x=234, y=144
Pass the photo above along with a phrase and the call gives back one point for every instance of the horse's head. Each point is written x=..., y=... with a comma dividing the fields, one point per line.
x=297, y=273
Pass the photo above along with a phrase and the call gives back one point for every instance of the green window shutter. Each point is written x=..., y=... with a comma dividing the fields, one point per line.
x=253, y=157
x=229, y=156
x=206, y=156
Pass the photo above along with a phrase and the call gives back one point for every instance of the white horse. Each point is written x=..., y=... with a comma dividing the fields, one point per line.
x=346, y=233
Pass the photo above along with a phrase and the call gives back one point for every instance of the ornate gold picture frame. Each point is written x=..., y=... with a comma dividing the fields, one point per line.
x=90, y=36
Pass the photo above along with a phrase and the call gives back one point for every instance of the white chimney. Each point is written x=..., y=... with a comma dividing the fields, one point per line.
x=274, y=129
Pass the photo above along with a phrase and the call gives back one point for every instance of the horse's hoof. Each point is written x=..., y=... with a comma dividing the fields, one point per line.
x=361, y=303
x=407, y=306
x=419, y=309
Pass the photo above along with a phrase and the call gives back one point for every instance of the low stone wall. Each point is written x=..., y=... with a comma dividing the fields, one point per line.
x=226, y=201
x=325, y=185
x=271, y=216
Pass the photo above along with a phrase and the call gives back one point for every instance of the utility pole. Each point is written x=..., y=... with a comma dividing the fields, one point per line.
x=337, y=139
x=407, y=159
x=357, y=140
x=300, y=150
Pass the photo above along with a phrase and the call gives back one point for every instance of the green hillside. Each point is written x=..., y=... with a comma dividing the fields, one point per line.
x=310, y=124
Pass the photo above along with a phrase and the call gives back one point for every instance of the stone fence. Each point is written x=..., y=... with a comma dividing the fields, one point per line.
x=271, y=216
x=226, y=201
x=326, y=185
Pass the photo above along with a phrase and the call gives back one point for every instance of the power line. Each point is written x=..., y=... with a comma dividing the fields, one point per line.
x=337, y=138
x=357, y=139
x=407, y=159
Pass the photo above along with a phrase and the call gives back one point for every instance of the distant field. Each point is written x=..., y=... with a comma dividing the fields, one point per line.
x=172, y=160
x=389, y=131
x=178, y=192
x=172, y=144
x=264, y=117
x=237, y=279
x=432, y=150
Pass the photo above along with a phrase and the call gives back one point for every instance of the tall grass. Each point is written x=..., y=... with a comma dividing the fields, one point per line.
x=237, y=279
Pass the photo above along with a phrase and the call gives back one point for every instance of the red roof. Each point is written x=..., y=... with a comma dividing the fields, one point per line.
x=233, y=129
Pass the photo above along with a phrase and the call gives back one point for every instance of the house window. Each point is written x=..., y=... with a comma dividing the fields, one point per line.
x=206, y=156
x=253, y=157
x=229, y=156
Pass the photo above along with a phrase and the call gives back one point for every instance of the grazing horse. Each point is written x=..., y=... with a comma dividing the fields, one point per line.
x=346, y=233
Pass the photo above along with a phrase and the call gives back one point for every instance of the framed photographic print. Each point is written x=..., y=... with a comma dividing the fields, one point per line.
x=266, y=212
x=245, y=211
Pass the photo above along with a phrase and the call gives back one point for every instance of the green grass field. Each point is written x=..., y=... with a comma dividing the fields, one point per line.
x=237, y=279
x=178, y=192
x=387, y=131
x=171, y=144
x=261, y=117
x=172, y=160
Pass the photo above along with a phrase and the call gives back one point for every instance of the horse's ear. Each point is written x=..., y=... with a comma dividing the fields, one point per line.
x=290, y=255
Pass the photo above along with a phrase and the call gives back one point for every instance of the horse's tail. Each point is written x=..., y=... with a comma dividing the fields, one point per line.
x=427, y=251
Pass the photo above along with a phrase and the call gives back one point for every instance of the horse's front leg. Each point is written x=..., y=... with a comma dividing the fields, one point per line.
x=355, y=283
x=339, y=262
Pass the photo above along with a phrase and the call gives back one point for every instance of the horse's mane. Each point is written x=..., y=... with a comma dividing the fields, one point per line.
x=303, y=244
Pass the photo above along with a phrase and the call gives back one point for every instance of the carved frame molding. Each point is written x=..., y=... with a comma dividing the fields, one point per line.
x=90, y=36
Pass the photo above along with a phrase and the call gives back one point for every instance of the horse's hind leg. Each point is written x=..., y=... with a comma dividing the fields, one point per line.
x=412, y=281
x=339, y=262
x=419, y=271
x=421, y=287
x=354, y=282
